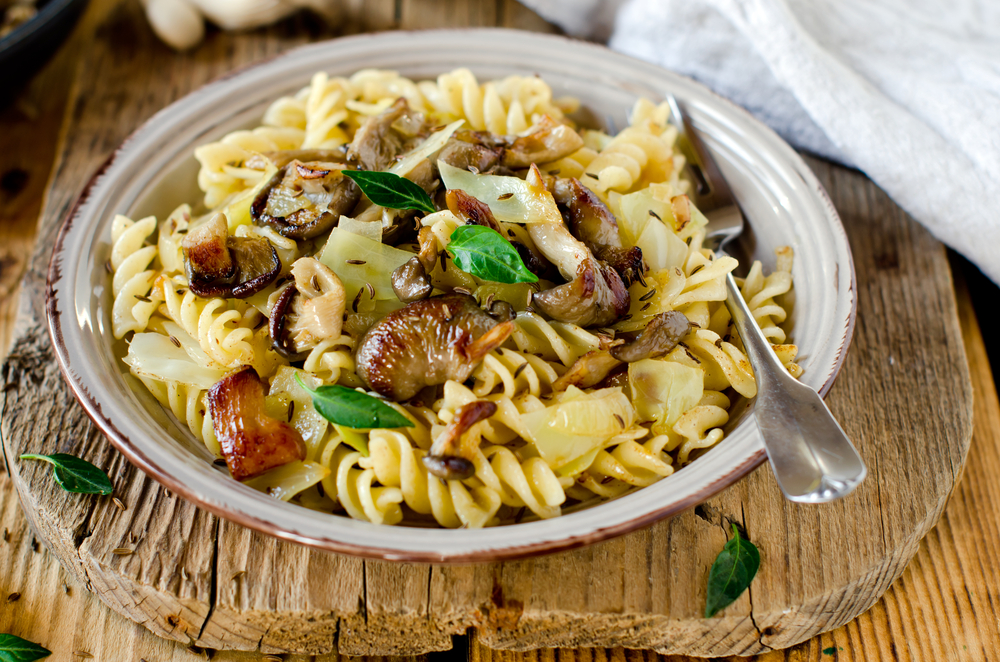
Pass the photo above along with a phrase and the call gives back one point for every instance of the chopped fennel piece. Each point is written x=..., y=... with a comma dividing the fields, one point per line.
x=305, y=419
x=525, y=204
x=578, y=424
x=368, y=229
x=378, y=261
x=154, y=355
x=663, y=390
x=286, y=481
x=433, y=143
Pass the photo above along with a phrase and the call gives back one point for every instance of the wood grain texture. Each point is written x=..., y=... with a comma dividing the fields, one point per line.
x=194, y=578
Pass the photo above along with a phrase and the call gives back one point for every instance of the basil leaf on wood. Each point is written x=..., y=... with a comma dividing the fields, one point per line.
x=387, y=189
x=485, y=253
x=76, y=475
x=353, y=409
x=731, y=574
x=16, y=649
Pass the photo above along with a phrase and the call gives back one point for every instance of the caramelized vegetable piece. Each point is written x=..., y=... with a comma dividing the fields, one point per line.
x=383, y=137
x=549, y=141
x=661, y=335
x=451, y=455
x=218, y=265
x=252, y=442
x=592, y=222
x=304, y=200
x=471, y=210
x=427, y=343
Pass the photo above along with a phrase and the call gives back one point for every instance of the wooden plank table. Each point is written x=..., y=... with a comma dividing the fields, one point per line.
x=941, y=608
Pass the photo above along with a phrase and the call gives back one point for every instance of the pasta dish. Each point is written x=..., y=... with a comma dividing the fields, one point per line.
x=440, y=303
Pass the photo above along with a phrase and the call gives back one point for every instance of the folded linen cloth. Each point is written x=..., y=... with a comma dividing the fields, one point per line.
x=908, y=91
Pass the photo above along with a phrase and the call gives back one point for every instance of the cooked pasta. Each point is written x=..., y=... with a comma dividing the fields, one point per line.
x=287, y=305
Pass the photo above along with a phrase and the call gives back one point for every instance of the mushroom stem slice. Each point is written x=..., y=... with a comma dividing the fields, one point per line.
x=252, y=442
x=451, y=454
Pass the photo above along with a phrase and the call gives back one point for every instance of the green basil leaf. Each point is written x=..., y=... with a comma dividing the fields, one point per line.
x=353, y=409
x=731, y=574
x=485, y=253
x=76, y=475
x=387, y=189
x=16, y=649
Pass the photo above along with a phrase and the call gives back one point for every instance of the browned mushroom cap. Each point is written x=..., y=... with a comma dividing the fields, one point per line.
x=383, y=137
x=471, y=210
x=596, y=297
x=427, y=343
x=304, y=200
x=218, y=265
x=450, y=456
x=475, y=151
x=411, y=281
x=549, y=141
x=592, y=222
x=661, y=335
x=252, y=442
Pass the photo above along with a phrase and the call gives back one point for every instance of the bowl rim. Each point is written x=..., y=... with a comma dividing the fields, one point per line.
x=136, y=455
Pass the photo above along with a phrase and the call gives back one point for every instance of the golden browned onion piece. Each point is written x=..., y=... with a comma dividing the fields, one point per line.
x=252, y=442
x=427, y=343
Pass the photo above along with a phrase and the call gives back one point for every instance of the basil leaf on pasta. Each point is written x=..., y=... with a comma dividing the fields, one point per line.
x=388, y=189
x=74, y=474
x=731, y=574
x=485, y=253
x=353, y=409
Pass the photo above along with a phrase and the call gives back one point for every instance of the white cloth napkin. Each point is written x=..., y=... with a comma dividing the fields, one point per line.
x=908, y=91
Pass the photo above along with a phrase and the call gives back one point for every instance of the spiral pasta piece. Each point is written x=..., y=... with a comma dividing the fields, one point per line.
x=634, y=153
x=554, y=341
x=223, y=173
x=132, y=280
x=225, y=334
x=333, y=360
x=513, y=372
x=187, y=404
x=396, y=463
x=325, y=110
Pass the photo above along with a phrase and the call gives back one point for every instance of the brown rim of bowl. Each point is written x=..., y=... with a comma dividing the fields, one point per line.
x=124, y=444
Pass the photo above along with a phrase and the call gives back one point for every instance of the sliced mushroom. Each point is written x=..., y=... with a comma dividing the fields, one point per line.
x=218, y=265
x=471, y=210
x=661, y=335
x=475, y=151
x=591, y=222
x=382, y=138
x=252, y=442
x=305, y=199
x=451, y=455
x=550, y=141
x=411, y=281
x=427, y=343
x=309, y=311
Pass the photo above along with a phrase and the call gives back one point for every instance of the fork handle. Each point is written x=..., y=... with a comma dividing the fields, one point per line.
x=812, y=458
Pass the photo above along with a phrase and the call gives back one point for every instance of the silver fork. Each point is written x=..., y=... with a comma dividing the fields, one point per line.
x=812, y=458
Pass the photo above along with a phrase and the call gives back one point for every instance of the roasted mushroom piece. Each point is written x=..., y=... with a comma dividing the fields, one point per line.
x=382, y=138
x=411, y=281
x=450, y=456
x=218, y=265
x=304, y=200
x=661, y=335
x=549, y=141
x=252, y=442
x=427, y=343
x=474, y=151
x=595, y=225
x=308, y=311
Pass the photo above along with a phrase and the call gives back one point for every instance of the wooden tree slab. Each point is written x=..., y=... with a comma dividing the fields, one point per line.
x=904, y=396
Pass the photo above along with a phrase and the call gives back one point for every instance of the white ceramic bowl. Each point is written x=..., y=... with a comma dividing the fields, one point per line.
x=154, y=170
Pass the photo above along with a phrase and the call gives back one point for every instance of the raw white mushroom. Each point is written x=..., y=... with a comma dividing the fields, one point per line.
x=179, y=24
